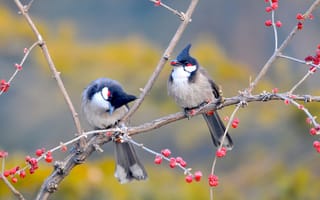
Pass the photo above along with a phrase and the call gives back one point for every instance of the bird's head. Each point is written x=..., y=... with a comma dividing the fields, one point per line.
x=184, y=60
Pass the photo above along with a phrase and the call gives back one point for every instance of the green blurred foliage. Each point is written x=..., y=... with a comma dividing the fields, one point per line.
x=264, y=174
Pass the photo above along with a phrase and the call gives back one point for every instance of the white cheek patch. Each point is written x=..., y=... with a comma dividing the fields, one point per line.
x=190, y=69
x=100, y=102
x=105, y=93
x=180, y=74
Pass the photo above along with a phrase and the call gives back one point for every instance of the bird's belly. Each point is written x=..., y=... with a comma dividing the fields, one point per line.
x=189, y=95
x=101, y=120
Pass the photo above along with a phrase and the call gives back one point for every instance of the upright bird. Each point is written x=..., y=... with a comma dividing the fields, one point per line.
x=191, y=86
x=104, y=103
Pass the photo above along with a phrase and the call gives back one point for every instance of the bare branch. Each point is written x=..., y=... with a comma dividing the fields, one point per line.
x=163, y=60
x=278, y=51
x=52, y=67
x=8, y=184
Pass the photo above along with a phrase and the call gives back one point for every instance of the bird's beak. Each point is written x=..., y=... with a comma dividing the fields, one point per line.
x=175, y=63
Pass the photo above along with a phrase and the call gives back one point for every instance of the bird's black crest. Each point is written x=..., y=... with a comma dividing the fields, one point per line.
x=184, y=56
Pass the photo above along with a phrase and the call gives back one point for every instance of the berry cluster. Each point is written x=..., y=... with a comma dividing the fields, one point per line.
x=300, y=17
x=313, y=61
x=12, y=172
x=48, y=155
x=222, y=152
x=177, y=161
x=213, y=180
x=271, y=8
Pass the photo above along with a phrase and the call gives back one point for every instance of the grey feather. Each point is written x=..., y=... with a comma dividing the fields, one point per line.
x=98, y=113
x=128, y=166
x=217, y=129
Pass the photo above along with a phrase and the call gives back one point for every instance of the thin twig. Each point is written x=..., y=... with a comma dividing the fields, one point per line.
x=279, y=50
x=163, y=60
x=52, y=67
x=9, y=185
x=174, y=11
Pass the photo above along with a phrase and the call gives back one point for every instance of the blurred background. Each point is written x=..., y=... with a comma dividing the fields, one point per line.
x=273, y=157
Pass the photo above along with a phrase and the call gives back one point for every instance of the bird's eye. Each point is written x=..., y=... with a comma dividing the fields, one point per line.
x=105, y=93
x=189, y=64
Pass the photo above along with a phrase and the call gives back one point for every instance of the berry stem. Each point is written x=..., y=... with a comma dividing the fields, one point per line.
x=129, y=139
x=21, y=64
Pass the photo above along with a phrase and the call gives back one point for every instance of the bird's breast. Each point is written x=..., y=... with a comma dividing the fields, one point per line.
x=190, y=94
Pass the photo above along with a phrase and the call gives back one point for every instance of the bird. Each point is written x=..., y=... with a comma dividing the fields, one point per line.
x=104, y=103
x=191, y=87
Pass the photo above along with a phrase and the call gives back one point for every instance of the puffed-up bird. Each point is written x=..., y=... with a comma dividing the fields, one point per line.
x=104, y=103
x=191, y=87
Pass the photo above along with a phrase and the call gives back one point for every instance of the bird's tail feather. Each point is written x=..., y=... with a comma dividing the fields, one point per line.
x=128, y=165
x=217, y=130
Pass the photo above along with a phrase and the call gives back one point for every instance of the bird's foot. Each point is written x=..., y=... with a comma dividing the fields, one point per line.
x=189, y=112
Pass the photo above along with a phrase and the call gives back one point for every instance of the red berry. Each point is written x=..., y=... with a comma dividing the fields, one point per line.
x=313, y=131
x=234, y=125
x=268, y=22
x=308, y=120
x=278, y=24
x=48, y=159
x=236, y=120
x=213, y=177
x=14, y=179
x=31, y=170
x=300, y=26
x=157, y=3
x=221, y=153
x=64, y=148
x=4, y=86
x=268, y=9
x=183, y=163
x=310, y=16
x=299, y=16
x=27, y=158
x=3, y=154
x=158, y=159
x=312, y=69
x=316, y=144
x=301, y=107
x=213, y=183
x=18, y=67
x=274, y=5
x=273, y=1
x=39, y=152
x=197, y=176
x=275, y=90
x=22, y=174
x=226, y=118
x=173, y=163
x=188, y=178
x=6, y=173
x=286, y=101
x=166, y=152
x=25, y=50
x=213, y=180
x=179, y=159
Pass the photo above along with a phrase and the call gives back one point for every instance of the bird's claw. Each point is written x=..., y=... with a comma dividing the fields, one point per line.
x=189, y=113
x=265, y=96
x=307, y=98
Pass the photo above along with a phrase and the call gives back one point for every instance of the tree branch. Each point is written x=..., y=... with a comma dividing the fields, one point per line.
x=163, y=60
x=24, y=11
x=278, y=51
